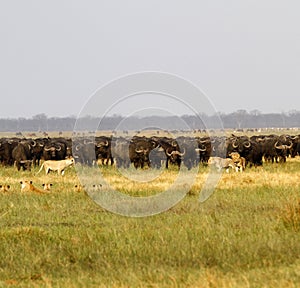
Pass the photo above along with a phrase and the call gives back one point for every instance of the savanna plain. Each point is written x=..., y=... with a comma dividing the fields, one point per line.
x=247, y=234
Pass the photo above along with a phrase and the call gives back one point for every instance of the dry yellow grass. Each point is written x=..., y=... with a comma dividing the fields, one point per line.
x=245, y=235
x=157, y=181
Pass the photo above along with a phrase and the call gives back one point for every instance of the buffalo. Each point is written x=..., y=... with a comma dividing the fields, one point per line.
x=21, y=156
x=55, y=150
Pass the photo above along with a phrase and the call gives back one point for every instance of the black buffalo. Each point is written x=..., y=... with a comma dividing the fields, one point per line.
x=247, y=148
x=103, y=150
x=21, y=156
x=55, y=150
x=84, y=152
x=172, y=151
x=139, y=151
x=120, y=152
x=6, y=147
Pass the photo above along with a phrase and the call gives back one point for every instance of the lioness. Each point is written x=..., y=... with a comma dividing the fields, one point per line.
x=4, y=188
x=235, y=156
x=56, y=165
x=239, y=161
x=93, y=187
x=26, y=186
x=47, y=186
x=222, y=163
x=78, y=188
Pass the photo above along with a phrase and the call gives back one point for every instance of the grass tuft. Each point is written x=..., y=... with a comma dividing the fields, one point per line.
x=290, y=214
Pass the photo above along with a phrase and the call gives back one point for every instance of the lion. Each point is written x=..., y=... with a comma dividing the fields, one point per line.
x=27, y=186
x=57, y=165
x=93, y=187
x=47, y=186
x=222, y=163
x=239, y=161
x=4, y=188
x=78, y=188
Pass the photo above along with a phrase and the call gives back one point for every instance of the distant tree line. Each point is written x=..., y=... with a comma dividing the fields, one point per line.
x=239, y=119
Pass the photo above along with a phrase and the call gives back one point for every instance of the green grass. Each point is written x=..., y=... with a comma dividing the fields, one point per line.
x=245, y=235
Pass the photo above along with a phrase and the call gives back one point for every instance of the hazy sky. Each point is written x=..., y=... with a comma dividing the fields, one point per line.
x=55, y=54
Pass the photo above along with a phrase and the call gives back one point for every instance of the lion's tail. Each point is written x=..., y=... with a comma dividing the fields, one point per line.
x=40, y=169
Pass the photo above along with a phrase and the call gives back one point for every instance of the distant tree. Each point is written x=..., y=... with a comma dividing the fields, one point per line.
x=40, y=121
x=41, y=116
x=283, y=118
x=238, y=119
x=255, y=112
x=293, y=118
x=240, y=116
x=293, y=113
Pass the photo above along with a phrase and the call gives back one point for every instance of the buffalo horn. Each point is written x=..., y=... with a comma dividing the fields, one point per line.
x=201, y=150
x=47, y=149
x=169, y=154
x=278, y=146
x=234, y=145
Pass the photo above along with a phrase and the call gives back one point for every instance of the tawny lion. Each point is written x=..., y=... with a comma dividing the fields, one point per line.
x=222, y=163
x=56, y=165
x=47, y=186
x=4, y=188
x=239, y=161
x=27, y=186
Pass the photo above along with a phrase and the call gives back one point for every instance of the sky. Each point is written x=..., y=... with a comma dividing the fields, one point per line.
x=241, y=54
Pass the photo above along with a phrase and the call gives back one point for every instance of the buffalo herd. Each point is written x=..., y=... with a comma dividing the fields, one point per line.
x=142, y=151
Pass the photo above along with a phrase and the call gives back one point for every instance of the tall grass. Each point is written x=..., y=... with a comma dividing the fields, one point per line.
x=245, y=235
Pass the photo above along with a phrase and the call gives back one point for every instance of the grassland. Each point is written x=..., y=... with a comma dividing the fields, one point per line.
x=247, y=234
